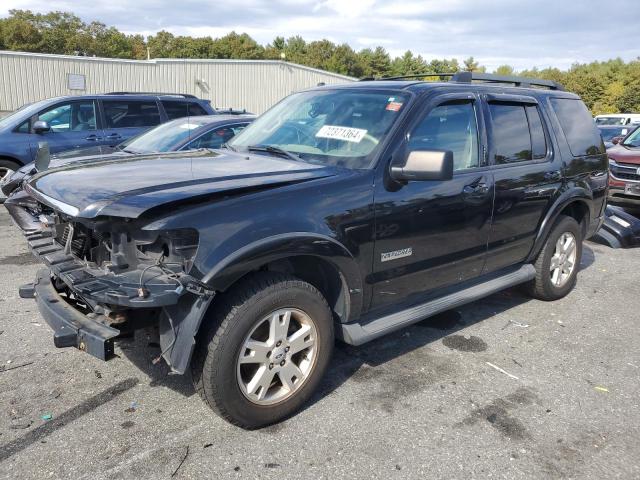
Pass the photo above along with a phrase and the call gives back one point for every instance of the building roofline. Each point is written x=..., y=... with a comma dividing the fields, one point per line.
x=155, y=61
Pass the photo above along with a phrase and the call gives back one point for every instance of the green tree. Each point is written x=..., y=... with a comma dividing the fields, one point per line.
x=505, y=70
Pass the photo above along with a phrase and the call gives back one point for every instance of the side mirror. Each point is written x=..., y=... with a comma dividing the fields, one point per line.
x=616, y=140
x=40, y=126
x=425, y=165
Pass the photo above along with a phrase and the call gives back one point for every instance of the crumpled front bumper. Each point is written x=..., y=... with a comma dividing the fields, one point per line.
x=71, y=328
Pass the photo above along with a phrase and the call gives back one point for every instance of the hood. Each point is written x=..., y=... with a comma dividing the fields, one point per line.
x=623, y=154
x=129, y=186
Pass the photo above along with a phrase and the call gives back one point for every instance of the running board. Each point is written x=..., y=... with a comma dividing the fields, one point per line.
x=357, y=334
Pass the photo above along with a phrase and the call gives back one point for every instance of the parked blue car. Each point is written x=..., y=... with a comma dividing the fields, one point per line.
x=88, y=120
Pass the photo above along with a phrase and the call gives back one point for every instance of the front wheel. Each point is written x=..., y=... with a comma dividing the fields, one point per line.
x=558, y=262
x=268, y=344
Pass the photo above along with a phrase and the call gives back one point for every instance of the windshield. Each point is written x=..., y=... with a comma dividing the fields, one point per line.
x=24, y=111
x=633, y=139
x=333, y=127
x=609, y=133
x=165, y=137
x=611, y=120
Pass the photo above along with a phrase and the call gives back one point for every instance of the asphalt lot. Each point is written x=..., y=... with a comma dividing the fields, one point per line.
x=423, y=403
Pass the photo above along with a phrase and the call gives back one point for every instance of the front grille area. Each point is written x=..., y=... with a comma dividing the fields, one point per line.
x=625, y=171
x=83, y=239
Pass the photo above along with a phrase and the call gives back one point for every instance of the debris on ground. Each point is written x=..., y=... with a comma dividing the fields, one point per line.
x=502, y=371
x=4, y=368
x=132, y=407
x=186, y=454
x=602, y=389
x=97, y=373
x=20, y=425
x=46, y=417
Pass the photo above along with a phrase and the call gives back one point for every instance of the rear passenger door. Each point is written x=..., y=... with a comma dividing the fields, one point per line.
x=124, y=118
x=527, y=173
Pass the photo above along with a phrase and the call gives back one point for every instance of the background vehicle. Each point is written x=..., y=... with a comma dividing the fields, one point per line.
x=209, y=131
x=87, y=120
x=624, y=165
x=612, y=134
x=346, y=211
x=617, y=119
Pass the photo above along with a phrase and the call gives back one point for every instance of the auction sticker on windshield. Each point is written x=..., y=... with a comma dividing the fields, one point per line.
x=347, y=134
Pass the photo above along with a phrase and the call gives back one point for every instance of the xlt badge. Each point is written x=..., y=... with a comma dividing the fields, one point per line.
x=396, y=254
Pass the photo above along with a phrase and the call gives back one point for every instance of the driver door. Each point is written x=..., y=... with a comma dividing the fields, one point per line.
x=72, y=125
x=433, y=234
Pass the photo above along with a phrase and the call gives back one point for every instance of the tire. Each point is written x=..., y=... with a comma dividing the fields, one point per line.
x=7, y=167
x=547, y=285
x=246, y=314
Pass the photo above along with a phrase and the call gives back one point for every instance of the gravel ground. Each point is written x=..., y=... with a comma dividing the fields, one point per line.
x=507, y=387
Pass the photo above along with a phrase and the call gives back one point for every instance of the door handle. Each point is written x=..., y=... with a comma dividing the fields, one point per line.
x=555, y=175
x=476, y=189
x=114, y=136
x=93, y=138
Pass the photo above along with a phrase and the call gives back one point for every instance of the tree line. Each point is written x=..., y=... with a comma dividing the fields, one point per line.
x=605, y=86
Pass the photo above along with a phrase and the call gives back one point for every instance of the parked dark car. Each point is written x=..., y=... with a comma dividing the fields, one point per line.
x=624, y=164
x=207, y=131
x=345, y=211
x=613, y=134
x=87, y=120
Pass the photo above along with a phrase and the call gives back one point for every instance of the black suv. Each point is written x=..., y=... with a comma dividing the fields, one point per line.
x=344, y=211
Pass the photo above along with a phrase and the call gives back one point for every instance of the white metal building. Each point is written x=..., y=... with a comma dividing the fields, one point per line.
x=251, y=84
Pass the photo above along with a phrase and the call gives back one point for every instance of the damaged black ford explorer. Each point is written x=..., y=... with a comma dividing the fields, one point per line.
x=345, y=211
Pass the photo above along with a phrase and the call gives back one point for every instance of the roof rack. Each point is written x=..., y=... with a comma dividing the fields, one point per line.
x=158, y=94
x=468, y=77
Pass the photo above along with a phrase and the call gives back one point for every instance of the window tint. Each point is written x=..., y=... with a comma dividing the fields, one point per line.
x=126, y=114
x=24, y=127
x=195, y=109
x=176, y=109
x=451, y=126
x=216, y=137
x=578, y=127
x=512, y=142
x=70, y=117
x=538, y=141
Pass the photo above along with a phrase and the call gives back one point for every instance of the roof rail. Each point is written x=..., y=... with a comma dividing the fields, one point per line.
x=157, y=94
x=468, y=77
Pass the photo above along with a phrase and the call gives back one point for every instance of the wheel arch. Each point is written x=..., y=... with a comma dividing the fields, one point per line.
x=317, y=259
x=573, y=203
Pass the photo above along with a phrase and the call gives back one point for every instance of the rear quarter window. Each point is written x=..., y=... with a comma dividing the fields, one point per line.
x=579, y=129
x=132, y=113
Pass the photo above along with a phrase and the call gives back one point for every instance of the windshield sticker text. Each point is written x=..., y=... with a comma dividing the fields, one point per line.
x=347, y=134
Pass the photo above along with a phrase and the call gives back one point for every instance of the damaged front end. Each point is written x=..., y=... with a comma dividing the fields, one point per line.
x=109, y=276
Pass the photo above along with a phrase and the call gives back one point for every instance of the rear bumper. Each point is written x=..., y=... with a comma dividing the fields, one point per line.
x=71, y=328
x=617, y=194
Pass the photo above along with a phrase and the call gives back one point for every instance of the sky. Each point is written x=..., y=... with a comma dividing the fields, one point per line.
x=521, y=33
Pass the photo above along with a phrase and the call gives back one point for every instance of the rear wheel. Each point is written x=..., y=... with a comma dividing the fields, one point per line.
x=558, y=262
x=7, y=167
x=267, y=346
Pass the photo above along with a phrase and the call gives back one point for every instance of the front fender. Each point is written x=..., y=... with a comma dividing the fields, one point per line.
x=254, y=255
x=576, y=194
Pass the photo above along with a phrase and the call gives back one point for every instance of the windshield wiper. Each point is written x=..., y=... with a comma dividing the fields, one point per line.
x=275, y=150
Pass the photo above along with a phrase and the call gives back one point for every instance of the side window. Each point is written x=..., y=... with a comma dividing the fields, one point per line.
x=195, y=109
x=132, y=113
x=578, y=127
x=24, y=127
x=70, y=117
x=538, y=140
x=175, y=109
x=216, y=137
x=510, y=128
x=450, y=126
